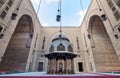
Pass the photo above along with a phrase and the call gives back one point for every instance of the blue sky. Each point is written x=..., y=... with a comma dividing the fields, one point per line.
x=72, y=13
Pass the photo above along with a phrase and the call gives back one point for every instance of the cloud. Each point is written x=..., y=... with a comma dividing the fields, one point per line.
x=51, y=1
x=81, y=15
x=35, y=2
x=45, y=24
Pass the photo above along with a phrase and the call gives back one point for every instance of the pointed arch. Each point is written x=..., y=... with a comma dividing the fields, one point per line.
x=61, y=47
x=102, y=47
x=51, y=48
x=70, y=49
x=16, y=54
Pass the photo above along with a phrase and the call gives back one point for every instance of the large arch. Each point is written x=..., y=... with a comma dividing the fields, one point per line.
x=104, y=55
x=16, y=54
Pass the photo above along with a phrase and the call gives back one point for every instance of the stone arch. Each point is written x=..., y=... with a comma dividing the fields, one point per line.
x=104, y=55
x=57, y=34
x=16, y=54
x=61, y=47
x=51, y=48
x=70, y=48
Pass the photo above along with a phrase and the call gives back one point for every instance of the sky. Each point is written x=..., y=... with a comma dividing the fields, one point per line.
x=71, y=12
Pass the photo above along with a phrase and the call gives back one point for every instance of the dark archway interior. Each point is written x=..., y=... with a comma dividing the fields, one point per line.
x=16, y=54
x=104, y=54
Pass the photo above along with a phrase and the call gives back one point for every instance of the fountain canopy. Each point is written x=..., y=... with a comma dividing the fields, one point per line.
x=60, y=55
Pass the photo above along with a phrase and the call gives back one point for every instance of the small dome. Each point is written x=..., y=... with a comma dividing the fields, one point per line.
x=60, y=36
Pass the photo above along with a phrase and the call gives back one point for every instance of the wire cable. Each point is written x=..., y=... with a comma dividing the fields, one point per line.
x=83, y=13
x=81, y=6
x=39, y=7
x=58, y=19
x=36, y=19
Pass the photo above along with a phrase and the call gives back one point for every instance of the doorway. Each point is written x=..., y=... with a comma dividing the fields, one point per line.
x=40, y=66
x=80, y=66
x=60, y=67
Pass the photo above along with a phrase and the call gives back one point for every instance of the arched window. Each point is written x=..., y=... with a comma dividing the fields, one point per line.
x=114, y=9
x=117, y=2
x=2, y=2
x=61, y=47
x=5, y=8
x=77, y=40
x=43, y=45
x=51, y=48
x=70, y=49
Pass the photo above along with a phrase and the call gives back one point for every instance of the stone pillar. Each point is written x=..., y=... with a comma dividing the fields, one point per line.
x=51, y=67
x=49, y=61
x=34, y=61
x=72, y=66
x=48, y=67
x=65, y=66
x=56, y=65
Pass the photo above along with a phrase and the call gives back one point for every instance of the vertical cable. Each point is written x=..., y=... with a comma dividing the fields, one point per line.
x=81, y=6
x=39, y=7
x=60, y=20
x=37, y=11
x=35, y=22
x=83, y=13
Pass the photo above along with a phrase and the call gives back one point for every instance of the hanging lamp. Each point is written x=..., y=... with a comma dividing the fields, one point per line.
x=58, y=18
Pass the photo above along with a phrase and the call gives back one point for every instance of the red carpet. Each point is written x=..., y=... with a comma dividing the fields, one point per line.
x=60, y=77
